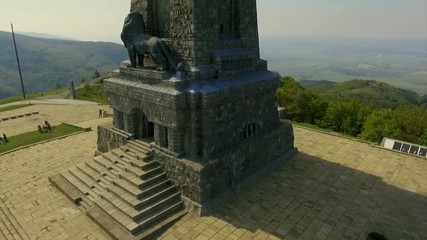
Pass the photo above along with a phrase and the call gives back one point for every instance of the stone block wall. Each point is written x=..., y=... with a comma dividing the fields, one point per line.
x=202, y=184
x=192, y=118
x=232, y=114
x=109, y=139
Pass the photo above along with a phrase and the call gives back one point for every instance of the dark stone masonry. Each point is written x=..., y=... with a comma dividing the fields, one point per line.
x=214, y=123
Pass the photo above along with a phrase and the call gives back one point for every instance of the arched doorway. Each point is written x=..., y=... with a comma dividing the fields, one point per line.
x=141, y=126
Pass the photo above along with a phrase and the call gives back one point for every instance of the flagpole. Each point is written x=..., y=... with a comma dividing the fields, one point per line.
x=19, y=65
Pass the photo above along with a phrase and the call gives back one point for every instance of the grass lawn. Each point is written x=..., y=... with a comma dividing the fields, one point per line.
x=35, y=137
x=93, y=93
x=13, y=107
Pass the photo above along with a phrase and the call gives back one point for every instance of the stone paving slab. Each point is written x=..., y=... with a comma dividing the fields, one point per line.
x=34, y=204
x=335, y=188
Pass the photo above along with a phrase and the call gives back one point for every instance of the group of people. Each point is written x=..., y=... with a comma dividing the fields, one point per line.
x=4, y=140
x=46, y=127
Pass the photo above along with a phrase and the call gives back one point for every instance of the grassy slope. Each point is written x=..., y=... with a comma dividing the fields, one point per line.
x=45, y=63
x=93, y=93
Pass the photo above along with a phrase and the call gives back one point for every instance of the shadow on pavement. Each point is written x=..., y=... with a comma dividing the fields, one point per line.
x=309, y=198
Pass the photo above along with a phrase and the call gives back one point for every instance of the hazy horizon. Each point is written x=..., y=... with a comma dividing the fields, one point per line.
x=290, y=18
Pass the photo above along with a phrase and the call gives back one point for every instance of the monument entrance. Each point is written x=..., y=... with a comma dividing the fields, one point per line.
x=195, y=83
x=142, y=127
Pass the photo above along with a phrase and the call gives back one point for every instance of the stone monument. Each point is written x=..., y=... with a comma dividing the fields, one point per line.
x=195, y=118
x=215, y=123
x=73, y=94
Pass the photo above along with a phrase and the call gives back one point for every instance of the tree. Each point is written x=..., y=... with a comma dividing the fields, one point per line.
x=412, y=122
x=347, y=117
x=423, y=138
x=406, y=123
x=301, y=104
x=379, y=124
x=96, y=74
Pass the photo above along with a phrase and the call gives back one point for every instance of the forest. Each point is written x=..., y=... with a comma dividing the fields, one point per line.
x=405, y=121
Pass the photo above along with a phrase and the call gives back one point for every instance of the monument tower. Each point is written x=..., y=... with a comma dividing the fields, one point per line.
x=211, y=122
x=219, y=113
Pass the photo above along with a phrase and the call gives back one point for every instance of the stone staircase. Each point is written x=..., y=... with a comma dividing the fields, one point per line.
x=124, y=191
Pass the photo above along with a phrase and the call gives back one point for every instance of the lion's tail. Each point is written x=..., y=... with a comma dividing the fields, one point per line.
x=170, y=60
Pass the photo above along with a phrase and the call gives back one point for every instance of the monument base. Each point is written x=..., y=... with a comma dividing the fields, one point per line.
x=204, y=185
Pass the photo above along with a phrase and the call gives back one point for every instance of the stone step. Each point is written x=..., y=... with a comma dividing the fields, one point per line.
x=141, y=161
x=101, y=180
x=136, y=228
x=64, y=185
x=145, y=147
x=144, y=203
x=113, y=159
x=142, y=143
x=85, y=204
x=101, y=169
x=170, y=198
x=134, y=151
x=118, y=203
x=140, y=203
x=95, y=188
x=82, y=177
x=138, y=193
x=145, y=213
x=132, y=179
x=127, y=186
x=96, y=176
x=112, y=211
x=106, y=163
x=151, y=173
x=150, y=233
x=125, y=156
x=108, y=223
x=138, y=172
x=144, y=165
x=128, y=189
x=73, y=180
x=125, y=195
x=145, y=158
x=89, y=172
x=143, y=183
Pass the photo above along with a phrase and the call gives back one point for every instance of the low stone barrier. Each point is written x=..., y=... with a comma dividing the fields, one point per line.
x=19, y=116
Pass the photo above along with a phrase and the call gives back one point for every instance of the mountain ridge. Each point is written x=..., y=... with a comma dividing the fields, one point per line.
x=366, y=91
x=47, y=63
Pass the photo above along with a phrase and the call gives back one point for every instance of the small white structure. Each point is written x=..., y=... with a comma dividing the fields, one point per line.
x=405, y=147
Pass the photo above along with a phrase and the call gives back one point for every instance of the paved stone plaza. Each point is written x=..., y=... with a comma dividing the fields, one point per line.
x=335, y=188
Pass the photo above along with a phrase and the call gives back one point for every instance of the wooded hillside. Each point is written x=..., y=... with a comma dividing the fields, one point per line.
x=50, y=63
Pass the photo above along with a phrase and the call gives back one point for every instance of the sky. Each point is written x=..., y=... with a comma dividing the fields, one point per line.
x=101, y=20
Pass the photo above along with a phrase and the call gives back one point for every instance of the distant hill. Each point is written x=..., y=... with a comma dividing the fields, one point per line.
x=47, y=63
x=367, y=91
x=45, y=35
x=398, y=62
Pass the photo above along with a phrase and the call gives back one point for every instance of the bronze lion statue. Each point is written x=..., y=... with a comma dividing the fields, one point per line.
x=138, y=43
